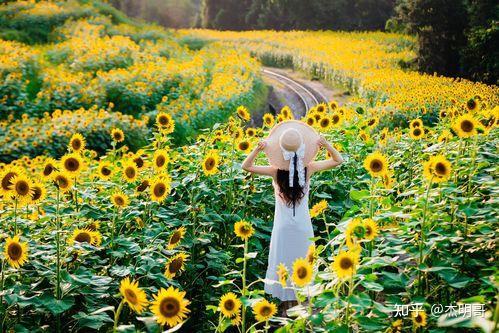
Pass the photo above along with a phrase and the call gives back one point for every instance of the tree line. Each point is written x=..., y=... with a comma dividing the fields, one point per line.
x=455, y=37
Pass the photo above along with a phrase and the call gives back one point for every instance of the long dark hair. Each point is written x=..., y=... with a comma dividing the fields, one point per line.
x=291, y=195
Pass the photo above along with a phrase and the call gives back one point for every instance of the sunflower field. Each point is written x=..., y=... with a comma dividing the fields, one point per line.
x=124, y=208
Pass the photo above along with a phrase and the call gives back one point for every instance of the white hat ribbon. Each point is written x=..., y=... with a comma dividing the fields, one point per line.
x=289, y=156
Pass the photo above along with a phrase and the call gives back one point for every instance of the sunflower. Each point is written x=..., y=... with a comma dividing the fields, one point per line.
x=264, y=310
x=325, y=122
x=333, y=105
x=130, y=171
x=336, y=119
x=164, y=121
x=373, y=122
x=311, y=254
x=387, y=180
x=63, y=181
x=160, y=159
x=415, y=123
x=77, y=143
x=143, y=185
x=39, y=192
x=49, y=167
x=139, y=161
x=210, y=163
x=419, y=318
x=244, y=146
x=280, y=118
x=268, y=120
x=310, y=120
x=117, y=135
x=175, y=265
x=302, y=272
x=364, y=136
x=229, y=305
x=119, y=199
x=243, y=230
x=251, y=132
x=282, y=274
x=133, y=295
x=445, y=136
x=437, y=169
x=371, y=229
x=72, y=164
x=376, y=164
x=318, y=208
x=175, y=238
x=465, y=126
x=6, y=178
x=21, y=187
x=159, y=189
x=243, y=113
x=104, y=170
x=15, y=251
x=354, y=232
x=84, y=236
x=416, y=133
x=472, y=104
x=321, y=107
x=170, y=306
x=345, y=264
x=286, y=112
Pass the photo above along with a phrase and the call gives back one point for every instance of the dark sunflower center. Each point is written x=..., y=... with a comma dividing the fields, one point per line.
x=15, y=251
x=160, y=161
x=143, y=186
x=440, y=168
x=419, y=318
x=119, y=201
x=371, y=122
x=62, y=181
x=336, y=119
x=72, y=164
x=130, y=172
x=139, y=162
x=346, y=263
x=471, y=104
x=105, y=171
x=210, y=163
x=131, y=296
x=417, y=132
x=415, y=124
x=22, y=187
x=37, y=193
x=175, y=238
x=245, y=230
x=467, y=126
x=159, y=189
x=76, y=144
x=325, y=122
x=310, y=121
x=301, y=272
x=117, y=136
x=163, y=120
x=48, y=170
x=6, y=180
x=83, y=237
x=229, y=305
x=175, y=265
x=376, y=165
x=243, y=145
x=169, y=307
x=265, y=311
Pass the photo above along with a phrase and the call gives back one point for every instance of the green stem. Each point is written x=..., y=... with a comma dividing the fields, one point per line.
x=243, y=292
x=347, y=316
x=58, y=290
x=117, y=316
x=15, y=216
x=422, y=234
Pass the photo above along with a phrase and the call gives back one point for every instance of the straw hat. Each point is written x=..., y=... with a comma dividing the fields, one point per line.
x=290, y=135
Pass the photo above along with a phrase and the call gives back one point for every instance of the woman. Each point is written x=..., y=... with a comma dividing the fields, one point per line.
x=291, y=148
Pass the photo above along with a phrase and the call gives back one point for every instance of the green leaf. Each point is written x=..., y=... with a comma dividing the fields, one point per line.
x=358, y=195
x=56, y=306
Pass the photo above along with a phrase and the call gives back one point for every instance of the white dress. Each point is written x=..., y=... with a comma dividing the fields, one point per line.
x=291, y=237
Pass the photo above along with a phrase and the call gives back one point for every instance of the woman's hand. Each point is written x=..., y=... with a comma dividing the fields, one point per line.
x=261, y=145
x=321, y=142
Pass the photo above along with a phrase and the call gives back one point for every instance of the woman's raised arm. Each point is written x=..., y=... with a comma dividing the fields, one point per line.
x=334, y=161
x=249, y=162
